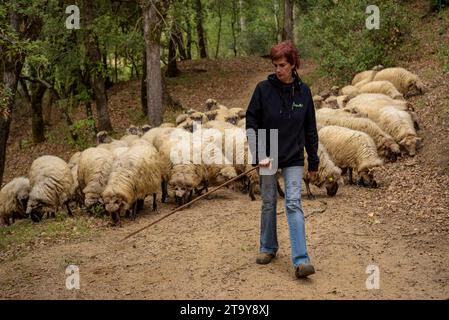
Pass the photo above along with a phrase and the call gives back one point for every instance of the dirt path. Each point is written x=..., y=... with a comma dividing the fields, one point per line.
x=208, y=251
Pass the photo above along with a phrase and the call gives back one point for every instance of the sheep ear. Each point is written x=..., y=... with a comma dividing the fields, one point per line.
x=419, y=143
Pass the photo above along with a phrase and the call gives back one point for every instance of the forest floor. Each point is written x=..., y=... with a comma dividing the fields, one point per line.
x=208, y=251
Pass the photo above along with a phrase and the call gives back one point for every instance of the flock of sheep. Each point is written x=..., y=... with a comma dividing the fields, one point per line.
x=359, y=127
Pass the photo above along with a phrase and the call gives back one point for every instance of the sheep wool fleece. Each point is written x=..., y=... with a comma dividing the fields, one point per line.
x=288, y=108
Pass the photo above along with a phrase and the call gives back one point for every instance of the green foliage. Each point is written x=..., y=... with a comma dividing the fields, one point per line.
x=5, y=96
x=337, y=35
x=25, y=143
x=83, y=129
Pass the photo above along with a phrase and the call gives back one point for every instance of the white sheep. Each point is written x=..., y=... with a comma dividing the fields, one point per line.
x=134, y=175
x=93, y=172
x=386, y=146
x=351, y=150
x=399, y=125
x=384, y=87
x=51, y=186
x=13, y=200
x=405, y=81
x=377, y=100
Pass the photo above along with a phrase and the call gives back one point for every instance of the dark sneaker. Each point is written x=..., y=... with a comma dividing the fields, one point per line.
x=304, y=270
x=264, y=258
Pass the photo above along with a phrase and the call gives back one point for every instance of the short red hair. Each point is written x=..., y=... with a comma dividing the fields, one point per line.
x=285, y=49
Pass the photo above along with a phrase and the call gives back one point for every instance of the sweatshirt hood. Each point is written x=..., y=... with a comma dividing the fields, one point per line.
x=274, y=80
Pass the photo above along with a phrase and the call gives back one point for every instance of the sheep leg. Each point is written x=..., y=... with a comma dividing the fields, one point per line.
x=140, y=204
x=69, y=211
x=164, y=191
x=280, y=191
x=190, y=196
x=309, y=192
x=154, y=202
x=116, y=219
x=251, y=191
x=134, y=211
x=350, y=176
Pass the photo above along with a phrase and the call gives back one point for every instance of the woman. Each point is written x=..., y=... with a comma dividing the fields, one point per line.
x=284, y=103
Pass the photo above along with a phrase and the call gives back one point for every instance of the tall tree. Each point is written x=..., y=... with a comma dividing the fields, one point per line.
x=287, y=33
x=98, y=75
x=154, y=14
x=220, y=18
x=17, y=30
x=200, y=29
x=172, y=67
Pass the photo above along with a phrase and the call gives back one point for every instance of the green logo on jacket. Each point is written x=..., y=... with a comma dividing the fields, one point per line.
x=297, y=105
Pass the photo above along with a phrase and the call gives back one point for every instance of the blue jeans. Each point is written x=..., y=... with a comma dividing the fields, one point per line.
x=293, y=209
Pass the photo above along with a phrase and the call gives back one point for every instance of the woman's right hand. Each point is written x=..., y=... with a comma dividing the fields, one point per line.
x=265, y=162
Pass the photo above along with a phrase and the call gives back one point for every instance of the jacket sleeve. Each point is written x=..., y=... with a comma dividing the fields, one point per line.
x=253, y=116
x=311, y=136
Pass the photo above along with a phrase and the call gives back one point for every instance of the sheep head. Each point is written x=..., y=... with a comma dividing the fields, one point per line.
x=115, y=204
x=367, y=179
x=211, y=115
x=210, y=104
x=232, y=119
x=225, y=174
x=103, y=137
x=145, y=128
x=415, y=87
x=409, y=144
x=133, y=130
x=36, y=209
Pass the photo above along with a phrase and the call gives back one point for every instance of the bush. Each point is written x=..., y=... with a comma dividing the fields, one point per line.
x=84, y=131
x=336, y=34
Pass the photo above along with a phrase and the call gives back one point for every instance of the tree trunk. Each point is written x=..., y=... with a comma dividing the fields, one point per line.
x=152, y=33
x=37, y=123
x=276, y=19
x=200, y=29
x=98, y=81
x=233, y=23
x=179, y=39
x=189, y=38
x=143, y=86
x=242, y=16
x=172, y=68
x=13, y=66
x=287, y=33
x=219, y=28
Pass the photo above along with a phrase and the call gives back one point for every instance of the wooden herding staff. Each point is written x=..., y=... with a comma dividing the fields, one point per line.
x=189, y=203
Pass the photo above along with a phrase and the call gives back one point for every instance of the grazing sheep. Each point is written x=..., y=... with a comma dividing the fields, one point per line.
x=386, y=146
x=184, y=179
x=93, y=172
x=342, y=101
x=377, y=100
x=334, y=112
x=13, y=200
x=351, y=150
x=399, y=125
x=367, y=76
x=384, y=87
x=405, y=81
x=51, y=187
x=328, y=173
x=134, y=175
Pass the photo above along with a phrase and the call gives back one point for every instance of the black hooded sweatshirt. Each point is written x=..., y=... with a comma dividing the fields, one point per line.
x=288, y=108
